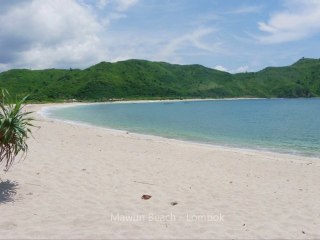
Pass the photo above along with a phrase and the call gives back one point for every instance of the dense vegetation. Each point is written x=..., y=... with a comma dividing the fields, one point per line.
x=139, y=79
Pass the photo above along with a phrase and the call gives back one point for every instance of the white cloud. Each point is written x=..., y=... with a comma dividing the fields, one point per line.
x=193, y=39
x=123, y=5
x=299, y=20
x=241, y=69
x=101, y=4
x=164, y=46
x=66, y=54
x=117, y=5
x=246, y=9
x=220, y=68
x=58, y=33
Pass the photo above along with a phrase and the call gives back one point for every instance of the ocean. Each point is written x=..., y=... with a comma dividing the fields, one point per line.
x=280, y=125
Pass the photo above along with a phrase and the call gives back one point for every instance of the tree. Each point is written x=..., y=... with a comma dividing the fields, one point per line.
x=14, y=129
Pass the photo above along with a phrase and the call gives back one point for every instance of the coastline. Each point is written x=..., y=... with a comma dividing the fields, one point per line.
x=43, y=112
x=86, y=182
x=71, y=104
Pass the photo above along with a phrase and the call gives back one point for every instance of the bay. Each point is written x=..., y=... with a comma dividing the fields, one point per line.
x=281, y=125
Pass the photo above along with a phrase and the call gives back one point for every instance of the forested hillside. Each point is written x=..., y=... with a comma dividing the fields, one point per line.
x=140, y=79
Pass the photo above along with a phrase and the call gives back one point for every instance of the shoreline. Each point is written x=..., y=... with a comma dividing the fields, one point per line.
x=167, y=100
x=43, y=113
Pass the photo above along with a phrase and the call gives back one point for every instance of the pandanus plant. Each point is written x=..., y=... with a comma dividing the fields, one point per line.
x=15, y=129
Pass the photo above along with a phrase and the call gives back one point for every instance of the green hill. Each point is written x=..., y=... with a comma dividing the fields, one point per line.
x=140, y=79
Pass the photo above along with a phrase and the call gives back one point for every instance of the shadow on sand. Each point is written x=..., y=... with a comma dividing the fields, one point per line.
x=7, y=191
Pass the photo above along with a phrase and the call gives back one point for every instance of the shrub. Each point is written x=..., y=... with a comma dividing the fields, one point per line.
x=14, y=129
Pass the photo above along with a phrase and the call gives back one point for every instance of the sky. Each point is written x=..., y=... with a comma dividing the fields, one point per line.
x=228, y=35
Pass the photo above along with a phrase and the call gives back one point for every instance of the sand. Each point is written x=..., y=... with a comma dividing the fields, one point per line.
x=81, y=182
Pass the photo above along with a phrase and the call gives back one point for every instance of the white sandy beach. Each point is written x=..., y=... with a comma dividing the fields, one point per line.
x=81, y=182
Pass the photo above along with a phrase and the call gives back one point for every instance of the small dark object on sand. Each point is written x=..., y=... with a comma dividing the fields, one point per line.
x=173, y=203
x=146, y=197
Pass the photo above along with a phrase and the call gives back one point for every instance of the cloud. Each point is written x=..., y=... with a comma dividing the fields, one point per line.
x=42, y=34
x=299, y=20
x=57, y=33
x=116, y=5
x=246, y=10
x=190, y=40
x=166, y=46
x=123, y=5
x=101, y=4
x=69, y=33
x=220, y=68
x=240, y=69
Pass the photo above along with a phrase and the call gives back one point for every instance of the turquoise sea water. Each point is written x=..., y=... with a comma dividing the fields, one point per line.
x=282, y=125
